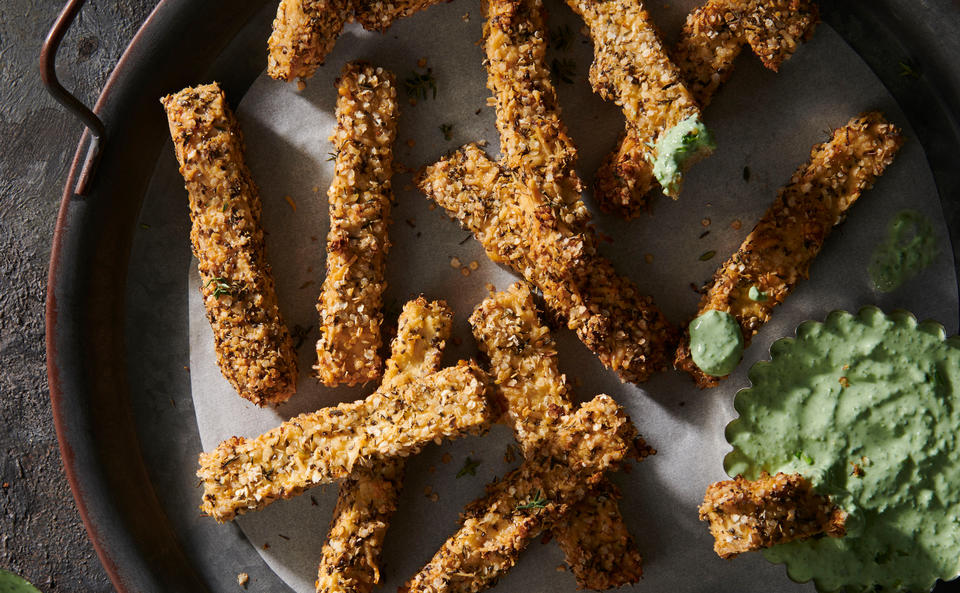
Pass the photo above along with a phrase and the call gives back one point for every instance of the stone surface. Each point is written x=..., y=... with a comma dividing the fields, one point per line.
x=41, y=535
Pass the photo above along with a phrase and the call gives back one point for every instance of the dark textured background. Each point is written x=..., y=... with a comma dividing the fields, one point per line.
x=41, y=536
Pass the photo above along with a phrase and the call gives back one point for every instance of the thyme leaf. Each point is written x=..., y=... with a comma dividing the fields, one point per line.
x=447, y=131
x=220, y=287
x=562, y=38
x=565, y=69
x=534, y=503
x=469, y=467
x=418, y=85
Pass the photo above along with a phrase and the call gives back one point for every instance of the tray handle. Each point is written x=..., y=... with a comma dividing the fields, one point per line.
x=48, y=72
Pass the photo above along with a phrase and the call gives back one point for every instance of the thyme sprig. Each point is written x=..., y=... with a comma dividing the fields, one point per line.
x=565, y=69
x=537, y=502
x=220, y=287
x=562, y=38
x=418, y=85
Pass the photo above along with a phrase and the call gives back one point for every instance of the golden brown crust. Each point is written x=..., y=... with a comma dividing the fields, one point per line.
x=749, y=515
x=523, y=362
x=533, y=138
x=304, y=32
x=243, y=475
x=623, y=328
x=350, y=304
x=712, y=38
x=253, y=346
x=632, y=69
x=779, y=250
x=377, y=15
x=596, y=543
x=497, y=527
x=350, y=560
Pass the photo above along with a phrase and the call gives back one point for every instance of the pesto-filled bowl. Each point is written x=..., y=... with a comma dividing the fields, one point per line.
x=867, y=407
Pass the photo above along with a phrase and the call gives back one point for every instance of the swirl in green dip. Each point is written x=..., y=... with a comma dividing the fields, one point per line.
x=868, y=408
x=716, y=342
x=911, y=246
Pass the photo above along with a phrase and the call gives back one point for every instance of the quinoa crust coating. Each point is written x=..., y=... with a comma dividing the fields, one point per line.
x=749, y=515
x=533, y=138
x=377, y=15
x=516, y=509
x=305, y=31
x=366, y=500
x=350, y=304
x=712, y=38
x=623, y=328
x=253, y=345
x=779, y=250
x=523, y=359
x=243, y=475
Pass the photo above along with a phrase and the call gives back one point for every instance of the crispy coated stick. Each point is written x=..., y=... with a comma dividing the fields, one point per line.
x=771, y=510
x=632, y=69
x=253, y=346
x=378, y=15
x=523, y=362
x=533, y=138
x=623, y=328
x=305, y=31
x=779, y=250
x=243, y=475
x=368, y=498
x=498, y=526
x=351, y=300
x=711, y=40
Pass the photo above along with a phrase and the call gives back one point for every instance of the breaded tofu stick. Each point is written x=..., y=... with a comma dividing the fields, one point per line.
x=632, y=69
x=712, y=38
x=378, y=15
x=253, y=346
x=779, y=250
x=498, y=526
x=623, y=328
x=523, y=362
x=749, y=515
x=368, y=498
x=533, y=138
x=304, y=32
x=350, y=303
x=243, y=475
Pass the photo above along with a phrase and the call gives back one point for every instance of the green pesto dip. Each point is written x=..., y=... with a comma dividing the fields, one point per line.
x=11, y=583
x=677, y=149
x=716, y=342
x=911, y=245
x=868, y=408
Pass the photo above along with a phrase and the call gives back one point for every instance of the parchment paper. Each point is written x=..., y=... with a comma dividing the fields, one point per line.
x=762, y=121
